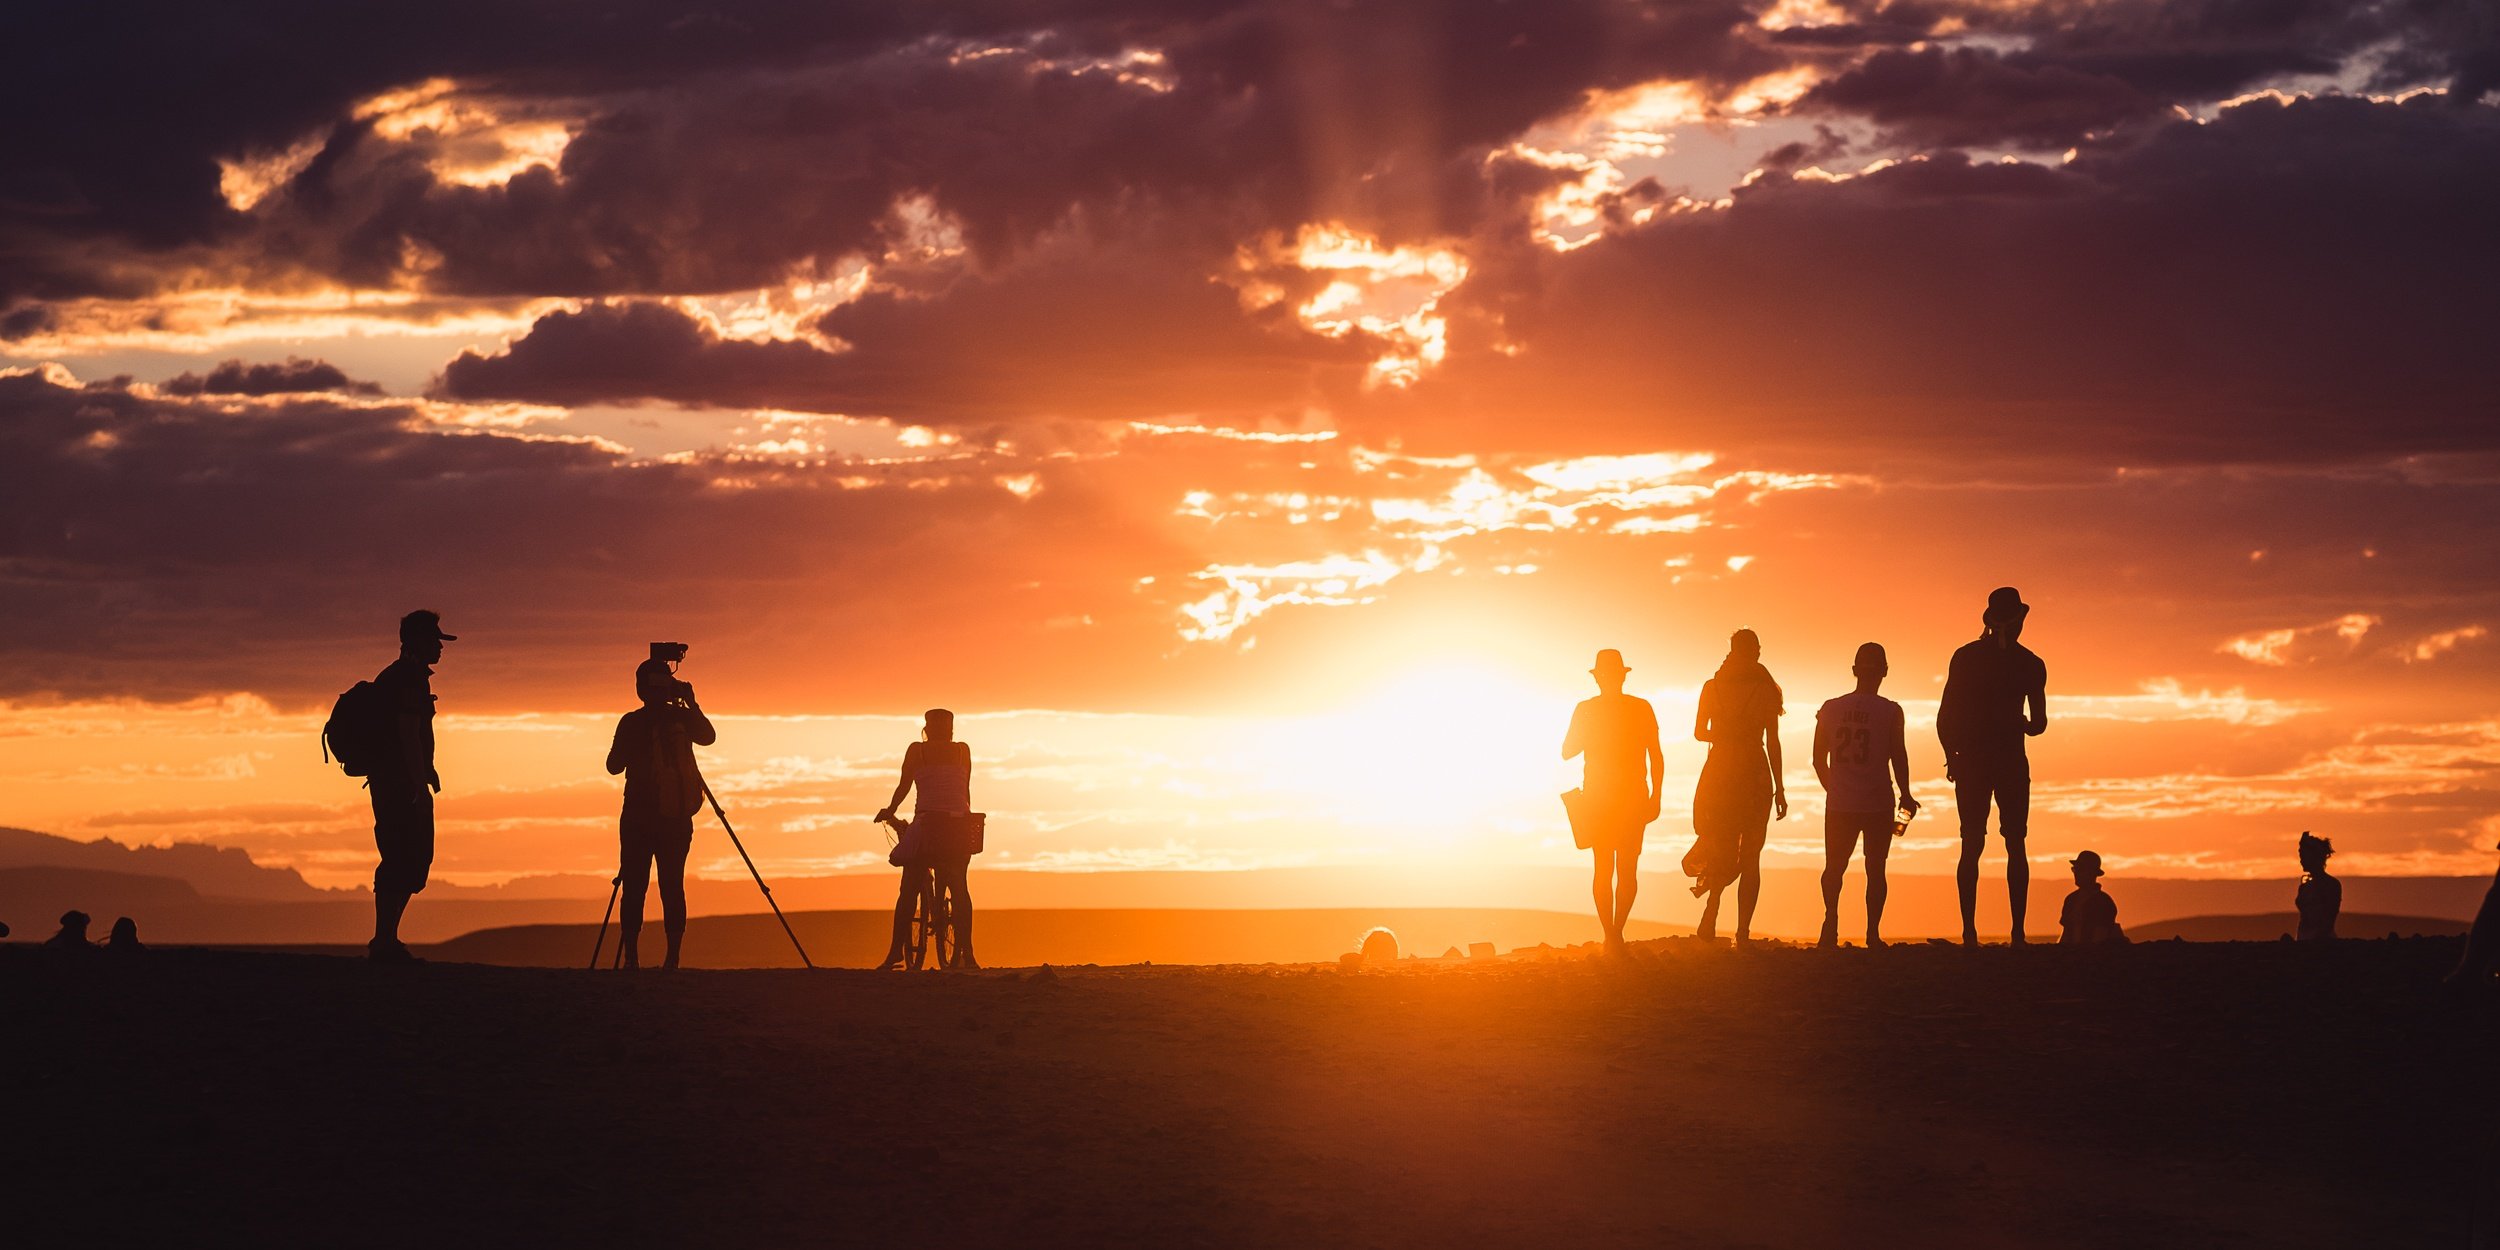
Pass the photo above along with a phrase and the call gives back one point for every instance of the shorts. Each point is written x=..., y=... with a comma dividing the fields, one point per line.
x=1842, y=831
x=645, y=835
x=403, y=831
x=2006, y=783
x=1619, y=834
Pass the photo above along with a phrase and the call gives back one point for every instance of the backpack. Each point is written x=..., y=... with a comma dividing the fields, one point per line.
x=359, y=735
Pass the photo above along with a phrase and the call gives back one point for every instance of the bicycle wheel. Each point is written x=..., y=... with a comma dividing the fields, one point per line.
x=941, y=923
x=923, y=925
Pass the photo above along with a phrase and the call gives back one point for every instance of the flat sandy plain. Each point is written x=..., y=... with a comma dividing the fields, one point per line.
x=2170, y=1094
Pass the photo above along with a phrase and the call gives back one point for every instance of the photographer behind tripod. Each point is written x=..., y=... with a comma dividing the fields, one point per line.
x=654, y=748
x=934, y=847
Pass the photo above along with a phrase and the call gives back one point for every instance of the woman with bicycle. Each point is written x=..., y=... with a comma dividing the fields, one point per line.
x=933, y=849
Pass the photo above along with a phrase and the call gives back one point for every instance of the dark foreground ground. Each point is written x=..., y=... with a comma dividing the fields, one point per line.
x=2170, y=1095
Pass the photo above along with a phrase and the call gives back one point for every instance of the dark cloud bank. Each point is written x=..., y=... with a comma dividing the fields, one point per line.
x=2265, y=292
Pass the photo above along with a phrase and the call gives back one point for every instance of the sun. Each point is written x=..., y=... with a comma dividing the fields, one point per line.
x=1428, y=758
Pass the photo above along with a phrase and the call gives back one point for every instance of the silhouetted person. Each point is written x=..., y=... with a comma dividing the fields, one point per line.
x=404, y=783
x=73, y=934
x=2090, y=916
x=940, y=770
x=1995, y=695
x=124, y=940
x=1864, y=764
x=2321, y=896
x=1739, y=716
x=2482, y=942
x=1622, y=777
x=654, y=748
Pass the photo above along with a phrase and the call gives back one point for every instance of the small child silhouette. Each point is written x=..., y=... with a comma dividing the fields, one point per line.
x=2090, y=917
x=2321, y=896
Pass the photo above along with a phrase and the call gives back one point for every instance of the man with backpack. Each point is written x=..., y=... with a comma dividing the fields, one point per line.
x=383, y=731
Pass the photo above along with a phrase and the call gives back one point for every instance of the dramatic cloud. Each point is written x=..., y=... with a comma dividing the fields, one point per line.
x=236, y=377
x=1253, y=358
x=1091, y=335
x=2293, y=281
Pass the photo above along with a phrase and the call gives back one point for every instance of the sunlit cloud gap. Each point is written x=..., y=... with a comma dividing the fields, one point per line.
x=1631, y=495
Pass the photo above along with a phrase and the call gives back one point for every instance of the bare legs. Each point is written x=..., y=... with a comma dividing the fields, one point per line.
x=1841, y=831
x=1613, y=886
x=914, y=881
x=388, y=907
x=1966, y=881
x=2017, y=885
x=1748, y=892
x=2010, y=789
x=2017, y=882
x=951, y=874
x=646, y=842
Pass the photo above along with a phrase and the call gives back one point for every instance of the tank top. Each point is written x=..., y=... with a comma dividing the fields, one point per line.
x=942, y=786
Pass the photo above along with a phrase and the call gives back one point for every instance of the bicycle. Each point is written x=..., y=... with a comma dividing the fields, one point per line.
x=931, y=937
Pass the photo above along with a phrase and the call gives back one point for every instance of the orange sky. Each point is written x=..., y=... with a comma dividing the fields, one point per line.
x=1251, y=420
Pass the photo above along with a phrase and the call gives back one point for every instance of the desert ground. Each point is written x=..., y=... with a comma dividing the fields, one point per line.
x=2170, y=1094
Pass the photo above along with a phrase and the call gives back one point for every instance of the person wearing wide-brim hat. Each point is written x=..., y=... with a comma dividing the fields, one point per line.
x=1622, y=775
x=1995, y=695
x=2090, y=916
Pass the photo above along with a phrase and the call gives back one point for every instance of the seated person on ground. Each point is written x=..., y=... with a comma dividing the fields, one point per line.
x=2090, y=916
x=2321, y=896
x=2482, y=943
x=73, y=934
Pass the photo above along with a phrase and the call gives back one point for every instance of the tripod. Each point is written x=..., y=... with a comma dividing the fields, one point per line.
x=615, y=885
x=759, y=877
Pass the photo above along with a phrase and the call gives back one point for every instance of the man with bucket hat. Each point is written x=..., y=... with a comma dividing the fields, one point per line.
x=1995, y=695
x=1622, y=775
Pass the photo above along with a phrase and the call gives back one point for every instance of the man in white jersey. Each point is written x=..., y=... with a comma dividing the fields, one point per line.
x=1859, y=753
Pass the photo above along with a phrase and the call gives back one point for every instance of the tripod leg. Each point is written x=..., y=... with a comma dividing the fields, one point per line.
x=613, y=887
x=727, y=828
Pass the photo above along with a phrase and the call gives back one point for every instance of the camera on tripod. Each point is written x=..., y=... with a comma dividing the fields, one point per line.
x=673, y=654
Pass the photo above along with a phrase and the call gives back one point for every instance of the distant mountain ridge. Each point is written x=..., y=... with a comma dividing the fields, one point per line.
x=216, y=872
x=2274, y=926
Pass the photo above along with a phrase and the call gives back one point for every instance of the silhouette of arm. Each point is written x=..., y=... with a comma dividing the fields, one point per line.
x=1822, y=756
x=616, y=746
x=1901, y=763
x=417, y=749
x=2036, y=705
x=902, y=787
x=1779, y=784
x=698, y=726
x=1572, y=744
x=1949, y=710
x=1703, y=730
x=1657, y=770
x=416, y=734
